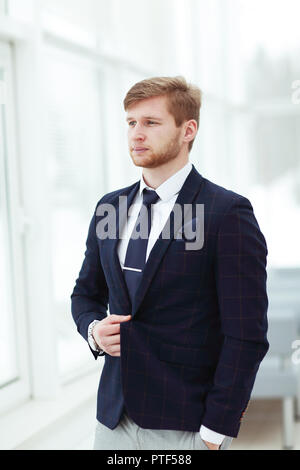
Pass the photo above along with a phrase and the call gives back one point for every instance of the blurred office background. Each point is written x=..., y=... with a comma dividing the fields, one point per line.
x=65, y=66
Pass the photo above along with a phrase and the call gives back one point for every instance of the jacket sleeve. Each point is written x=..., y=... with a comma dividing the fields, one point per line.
x=89, y=299
x=240, y=270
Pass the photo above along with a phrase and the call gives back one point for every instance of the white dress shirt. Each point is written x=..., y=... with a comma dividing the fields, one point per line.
x=167, y=192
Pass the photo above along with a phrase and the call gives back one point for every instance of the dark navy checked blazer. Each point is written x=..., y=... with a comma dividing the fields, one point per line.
x=191, y=352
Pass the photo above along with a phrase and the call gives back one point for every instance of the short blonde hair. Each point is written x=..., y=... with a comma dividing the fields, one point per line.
x=184, y=100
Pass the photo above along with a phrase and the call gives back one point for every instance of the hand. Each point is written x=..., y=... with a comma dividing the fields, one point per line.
x=106, y=333
x=212, y=446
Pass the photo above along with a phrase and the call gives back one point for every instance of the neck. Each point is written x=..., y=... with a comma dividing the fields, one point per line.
x=154, y=177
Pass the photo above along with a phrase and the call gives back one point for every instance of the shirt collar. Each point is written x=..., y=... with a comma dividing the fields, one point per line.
x=171, y=186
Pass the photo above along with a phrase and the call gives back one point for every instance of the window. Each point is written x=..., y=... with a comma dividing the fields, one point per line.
x=3, y=7
x=74, y=161
x=13, y=336
x=8, y=358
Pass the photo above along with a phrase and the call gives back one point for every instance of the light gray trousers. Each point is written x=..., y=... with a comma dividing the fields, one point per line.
x=127, y=435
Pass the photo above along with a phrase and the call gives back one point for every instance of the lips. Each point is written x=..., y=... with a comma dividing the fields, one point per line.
x=139, y=149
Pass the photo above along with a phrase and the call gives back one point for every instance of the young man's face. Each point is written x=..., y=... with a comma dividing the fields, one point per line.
x=153, y=137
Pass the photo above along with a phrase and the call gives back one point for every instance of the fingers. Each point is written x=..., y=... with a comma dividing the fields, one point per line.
x=107, y=333
x=108, y=341
x=117, y=318
x=110, y=329
x=115, y=350
x=111, y=345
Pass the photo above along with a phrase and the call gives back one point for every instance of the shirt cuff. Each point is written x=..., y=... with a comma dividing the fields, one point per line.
x=91, y=340
x=211, y=436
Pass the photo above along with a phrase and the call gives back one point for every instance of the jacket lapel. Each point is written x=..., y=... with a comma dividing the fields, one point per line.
x=186, y=195
x=115, y=271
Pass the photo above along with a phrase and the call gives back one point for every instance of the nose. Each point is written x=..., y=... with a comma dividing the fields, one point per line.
x=137, y=133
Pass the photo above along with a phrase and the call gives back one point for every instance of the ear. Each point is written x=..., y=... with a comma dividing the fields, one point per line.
x=190, y=130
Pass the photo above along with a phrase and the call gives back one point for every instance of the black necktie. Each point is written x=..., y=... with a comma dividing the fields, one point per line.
x=135, y=258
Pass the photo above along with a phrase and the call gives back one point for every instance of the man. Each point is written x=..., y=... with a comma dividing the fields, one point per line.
x=188, y=320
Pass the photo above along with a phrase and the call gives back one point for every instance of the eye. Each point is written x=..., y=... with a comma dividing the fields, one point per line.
x=130, y=123
x=151, y=122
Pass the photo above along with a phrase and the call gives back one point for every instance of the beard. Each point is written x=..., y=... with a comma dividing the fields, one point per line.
x=154, y=159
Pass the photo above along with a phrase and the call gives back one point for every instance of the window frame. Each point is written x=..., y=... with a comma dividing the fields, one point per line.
x=18, y=389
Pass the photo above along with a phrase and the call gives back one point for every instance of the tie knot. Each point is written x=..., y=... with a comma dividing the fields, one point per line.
x=149, y=197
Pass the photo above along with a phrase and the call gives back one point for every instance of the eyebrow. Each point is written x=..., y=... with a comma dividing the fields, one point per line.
x=145, y=117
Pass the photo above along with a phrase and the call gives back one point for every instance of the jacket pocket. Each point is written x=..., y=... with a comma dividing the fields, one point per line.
x=189, y=356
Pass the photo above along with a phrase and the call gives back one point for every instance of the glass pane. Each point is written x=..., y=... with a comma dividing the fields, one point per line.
x=76, y=12
x=73, y=156
x=3, y=7
x=8, y=360
x=20, y=10
x=269, y=65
